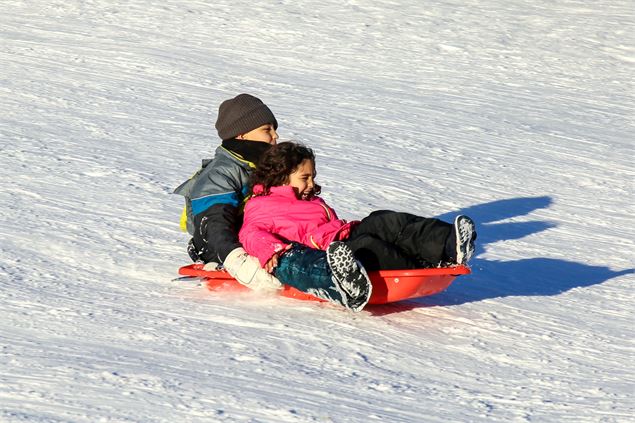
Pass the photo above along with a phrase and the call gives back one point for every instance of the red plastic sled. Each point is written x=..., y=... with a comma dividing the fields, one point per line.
x=388, y=285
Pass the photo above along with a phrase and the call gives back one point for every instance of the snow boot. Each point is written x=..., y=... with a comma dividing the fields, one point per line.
x=349, y=275
x=465, y=235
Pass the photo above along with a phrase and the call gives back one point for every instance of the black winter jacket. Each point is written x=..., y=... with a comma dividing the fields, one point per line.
x=216, y=195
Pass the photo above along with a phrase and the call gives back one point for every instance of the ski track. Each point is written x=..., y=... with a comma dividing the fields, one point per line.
x=517, y=113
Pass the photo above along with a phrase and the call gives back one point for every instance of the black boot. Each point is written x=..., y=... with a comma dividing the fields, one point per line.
x=464, y=237
x=349, y=275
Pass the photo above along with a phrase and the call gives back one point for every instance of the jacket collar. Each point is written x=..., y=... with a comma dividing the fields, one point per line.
x=282, y=191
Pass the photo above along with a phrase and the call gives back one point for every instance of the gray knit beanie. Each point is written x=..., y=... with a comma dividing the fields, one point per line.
x=241, y=114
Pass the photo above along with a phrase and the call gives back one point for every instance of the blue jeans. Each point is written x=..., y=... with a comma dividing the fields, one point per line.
x=307, y=270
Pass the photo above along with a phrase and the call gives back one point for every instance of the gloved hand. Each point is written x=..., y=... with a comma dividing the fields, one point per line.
x=246, y=269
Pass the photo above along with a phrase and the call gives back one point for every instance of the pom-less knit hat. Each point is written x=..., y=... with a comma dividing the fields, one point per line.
x=241, y=114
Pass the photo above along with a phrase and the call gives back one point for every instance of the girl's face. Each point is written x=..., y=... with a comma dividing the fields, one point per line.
x=265, y=133
x=302, y=180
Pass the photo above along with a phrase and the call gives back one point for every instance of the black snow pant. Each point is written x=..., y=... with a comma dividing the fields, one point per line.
x=391, y=240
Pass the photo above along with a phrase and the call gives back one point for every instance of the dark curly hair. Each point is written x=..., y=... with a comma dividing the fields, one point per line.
x=278, y=162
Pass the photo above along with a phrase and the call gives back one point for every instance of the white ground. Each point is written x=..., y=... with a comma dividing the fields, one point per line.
x=518, y=113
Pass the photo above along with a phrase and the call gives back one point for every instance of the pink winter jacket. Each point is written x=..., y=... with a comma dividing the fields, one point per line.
x=272, y=221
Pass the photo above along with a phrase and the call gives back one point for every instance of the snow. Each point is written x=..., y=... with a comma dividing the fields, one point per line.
x=518, y=113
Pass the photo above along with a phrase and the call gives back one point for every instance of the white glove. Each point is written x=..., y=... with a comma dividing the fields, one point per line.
x=246, y=269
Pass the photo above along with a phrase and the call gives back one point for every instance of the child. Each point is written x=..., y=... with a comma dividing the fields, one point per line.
x=216, y=193
x=285, y=211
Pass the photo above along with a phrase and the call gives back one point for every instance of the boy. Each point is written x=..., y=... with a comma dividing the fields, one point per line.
x=216, y=193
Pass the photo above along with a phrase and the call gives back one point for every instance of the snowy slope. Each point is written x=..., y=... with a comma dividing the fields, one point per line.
x=518, y=113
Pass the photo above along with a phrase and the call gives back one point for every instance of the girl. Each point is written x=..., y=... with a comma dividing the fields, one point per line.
x=285, y=212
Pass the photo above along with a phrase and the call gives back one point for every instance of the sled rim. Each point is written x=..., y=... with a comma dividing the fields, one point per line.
x=388, y=285
x=429, y=271
x=196, y=269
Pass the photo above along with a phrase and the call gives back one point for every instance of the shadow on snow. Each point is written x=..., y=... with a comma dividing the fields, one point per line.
x=495, y=279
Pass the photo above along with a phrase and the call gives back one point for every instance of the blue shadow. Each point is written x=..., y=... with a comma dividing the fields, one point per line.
x=485, y=216
x=495, y=279
x=527, y=277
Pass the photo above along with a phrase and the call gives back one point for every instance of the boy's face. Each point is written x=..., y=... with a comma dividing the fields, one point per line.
x=265, y=133
x=302, y=180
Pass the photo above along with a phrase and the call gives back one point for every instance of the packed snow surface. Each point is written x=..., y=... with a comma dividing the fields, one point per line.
x=517, y=113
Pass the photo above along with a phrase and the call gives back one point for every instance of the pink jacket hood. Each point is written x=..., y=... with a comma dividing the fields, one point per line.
x=272, y=221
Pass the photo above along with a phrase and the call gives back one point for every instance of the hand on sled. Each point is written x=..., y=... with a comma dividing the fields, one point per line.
x=246, y=269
